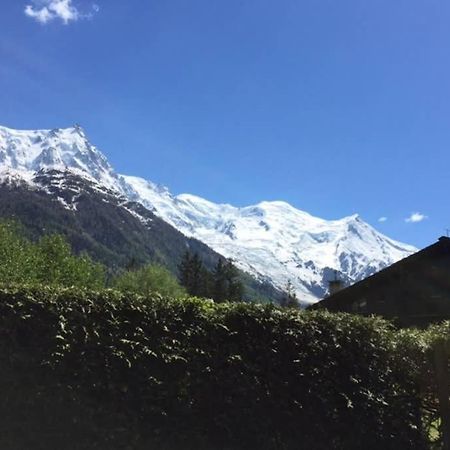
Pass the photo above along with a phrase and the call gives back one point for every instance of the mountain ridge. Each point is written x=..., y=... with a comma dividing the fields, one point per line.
x=272, y=240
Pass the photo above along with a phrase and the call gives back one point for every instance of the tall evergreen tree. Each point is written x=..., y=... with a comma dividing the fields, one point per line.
x=184, y=269
x=196, y=273
x=220, y=290
x=194, y=276
x=227, y=285
x=220, y=285
x=289, y=299
x=132, y=264
x=206, y=283
x=235, y=288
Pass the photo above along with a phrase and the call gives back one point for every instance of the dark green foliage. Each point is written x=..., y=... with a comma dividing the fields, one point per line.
x=184, y=269
x=194, y=276
x=227, y=285
x=220, y=290
x=419, y=350
x=222, y=284
x=103, y=370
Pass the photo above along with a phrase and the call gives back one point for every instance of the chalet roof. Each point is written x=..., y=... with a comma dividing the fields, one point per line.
x=442, y=245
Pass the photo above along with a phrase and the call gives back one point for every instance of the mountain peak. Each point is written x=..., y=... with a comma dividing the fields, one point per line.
x=275, y=204
x=59, y=149
x=77, y=128
x=353, y=218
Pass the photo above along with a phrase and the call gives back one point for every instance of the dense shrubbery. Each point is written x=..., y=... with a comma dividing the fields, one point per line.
x=419, y=349
x=104, y=370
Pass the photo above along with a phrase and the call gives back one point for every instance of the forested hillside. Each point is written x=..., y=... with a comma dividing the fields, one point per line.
x=111, y=230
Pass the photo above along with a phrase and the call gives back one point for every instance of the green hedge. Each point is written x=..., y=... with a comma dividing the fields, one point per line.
x=82, y=369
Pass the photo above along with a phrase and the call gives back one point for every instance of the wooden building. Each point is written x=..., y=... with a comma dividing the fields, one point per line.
x=413, y=291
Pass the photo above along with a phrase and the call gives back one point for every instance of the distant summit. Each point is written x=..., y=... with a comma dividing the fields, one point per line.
x=272, y=241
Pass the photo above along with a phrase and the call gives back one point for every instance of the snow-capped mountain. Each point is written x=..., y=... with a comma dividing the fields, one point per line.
x=276, y=242
x=273, y=241
x=25, y=152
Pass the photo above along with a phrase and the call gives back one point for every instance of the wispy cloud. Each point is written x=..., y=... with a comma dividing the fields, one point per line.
x=45, y=11
x=416, y=217
x=382, y=219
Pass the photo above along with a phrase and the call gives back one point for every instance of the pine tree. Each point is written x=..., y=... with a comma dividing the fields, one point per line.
x=235, y=288
x=132, y=264
x=219, y=293
x=227, y=285
x=289, y=299
x=220, y=285
x=196, y=272
x=193, y=275
x=184, y=269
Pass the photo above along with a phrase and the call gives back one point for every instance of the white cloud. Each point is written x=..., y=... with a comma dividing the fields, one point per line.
x=382, y=219
x=416, y=217
x=45, y=11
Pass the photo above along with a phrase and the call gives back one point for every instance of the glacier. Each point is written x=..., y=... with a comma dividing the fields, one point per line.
x=272, y=240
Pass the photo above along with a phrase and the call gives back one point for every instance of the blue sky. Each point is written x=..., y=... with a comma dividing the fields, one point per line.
x=334, y=106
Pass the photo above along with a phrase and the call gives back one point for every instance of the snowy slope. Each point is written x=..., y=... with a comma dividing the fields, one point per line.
x=273, y=241
x=276, y=242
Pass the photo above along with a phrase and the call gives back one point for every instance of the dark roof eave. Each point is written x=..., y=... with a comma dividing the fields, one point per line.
x=442, y=241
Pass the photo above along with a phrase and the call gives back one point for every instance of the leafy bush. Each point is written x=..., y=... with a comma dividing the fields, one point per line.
x=419, y=350
x=150, y=279
x=105, y=370
x=49, y=261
